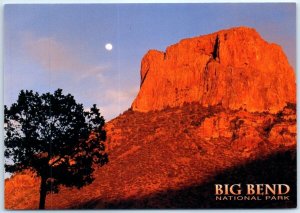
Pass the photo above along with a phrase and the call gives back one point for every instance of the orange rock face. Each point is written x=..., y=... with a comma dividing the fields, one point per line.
x=173, y=149
x=235, y=68
x=222, y=90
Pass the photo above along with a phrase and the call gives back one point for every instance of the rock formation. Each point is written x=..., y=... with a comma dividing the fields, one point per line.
x=235, y=68
x=172, y=159
x=205, y=114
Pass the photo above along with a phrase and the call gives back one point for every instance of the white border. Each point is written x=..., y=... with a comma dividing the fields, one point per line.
x=3, y=2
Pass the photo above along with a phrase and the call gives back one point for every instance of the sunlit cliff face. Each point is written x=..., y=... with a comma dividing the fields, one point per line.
x=235, y=68
x=213, y=109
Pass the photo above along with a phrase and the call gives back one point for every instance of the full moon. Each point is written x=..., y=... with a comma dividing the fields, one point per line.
x=108, y=46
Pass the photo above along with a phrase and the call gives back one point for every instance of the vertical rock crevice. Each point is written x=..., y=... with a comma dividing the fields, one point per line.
x=211, y=70
x=215, y=53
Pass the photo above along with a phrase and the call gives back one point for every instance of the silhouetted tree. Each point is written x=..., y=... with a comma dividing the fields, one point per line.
x=52, y=135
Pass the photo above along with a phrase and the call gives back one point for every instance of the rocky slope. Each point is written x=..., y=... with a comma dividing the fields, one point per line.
x=213, y=109
x=235, y=68
x=175, y=149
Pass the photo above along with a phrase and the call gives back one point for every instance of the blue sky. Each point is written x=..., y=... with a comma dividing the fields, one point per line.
x=63, y=46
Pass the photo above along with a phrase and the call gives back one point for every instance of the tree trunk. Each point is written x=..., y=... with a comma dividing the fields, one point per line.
x=43, y=193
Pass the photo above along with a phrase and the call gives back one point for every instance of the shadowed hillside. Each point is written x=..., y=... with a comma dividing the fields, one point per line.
x=175, y=151
x=218, y=108
x=276, y=168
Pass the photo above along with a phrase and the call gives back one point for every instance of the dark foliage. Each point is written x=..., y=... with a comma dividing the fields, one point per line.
x=52, y=135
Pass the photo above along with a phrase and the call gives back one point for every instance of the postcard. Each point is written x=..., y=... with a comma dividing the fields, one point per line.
x=150, y=106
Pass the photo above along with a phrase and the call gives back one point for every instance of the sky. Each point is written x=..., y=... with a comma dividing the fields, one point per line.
x=63, y=46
